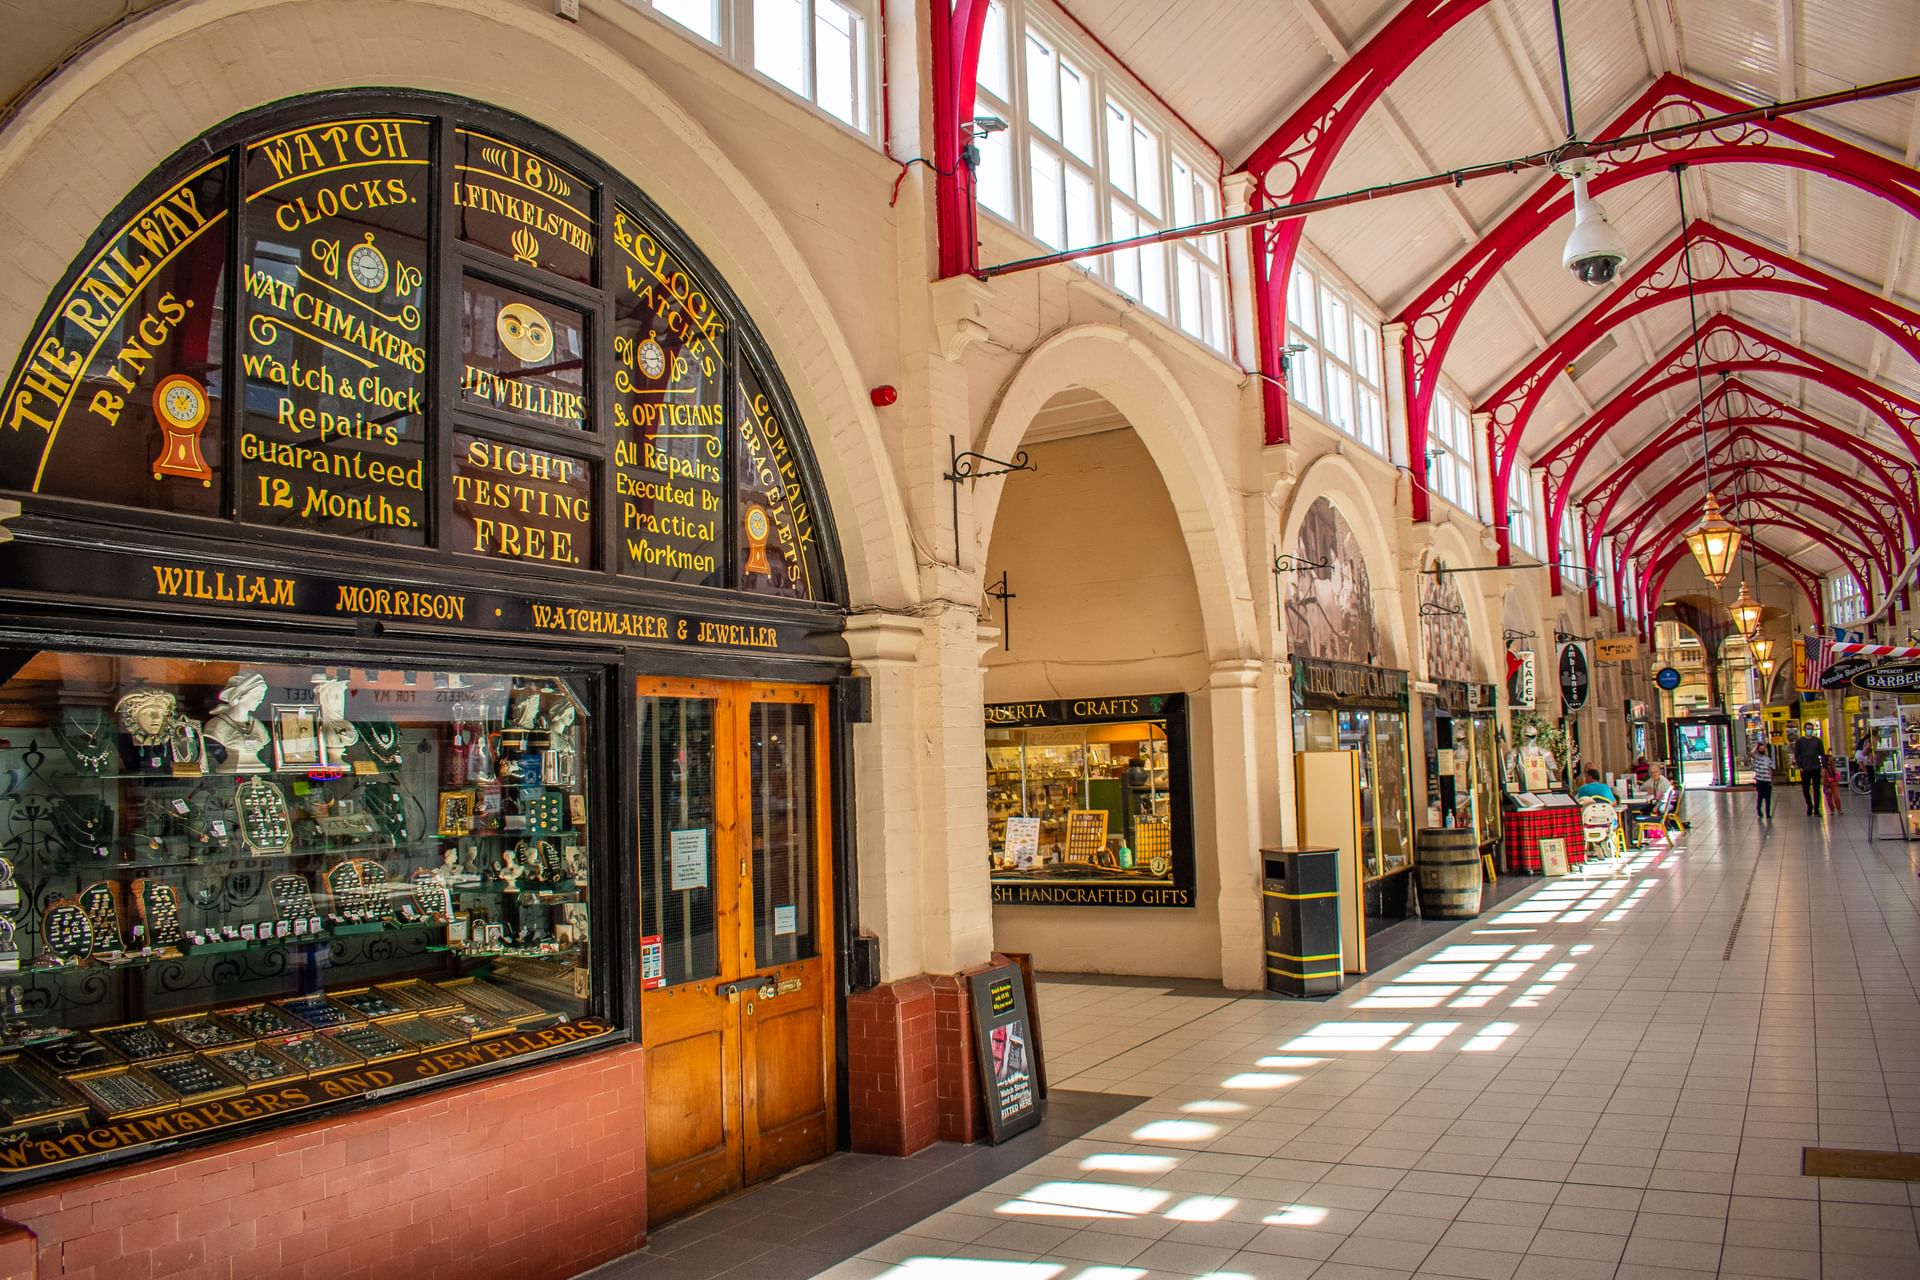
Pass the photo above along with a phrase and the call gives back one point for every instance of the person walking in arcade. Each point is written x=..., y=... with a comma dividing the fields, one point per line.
x=1763, y=780
x=1808, y=758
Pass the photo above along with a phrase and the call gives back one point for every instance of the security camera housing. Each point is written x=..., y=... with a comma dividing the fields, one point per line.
x=1595, y=250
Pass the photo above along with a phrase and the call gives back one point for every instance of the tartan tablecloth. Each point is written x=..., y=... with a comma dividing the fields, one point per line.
x=1526, y=828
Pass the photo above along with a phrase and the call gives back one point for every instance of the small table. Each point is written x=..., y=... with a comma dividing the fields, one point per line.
x=1526, y=828
x=1632, y=812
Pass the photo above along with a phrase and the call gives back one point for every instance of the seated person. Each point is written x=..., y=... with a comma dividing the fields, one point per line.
x=1594, y=789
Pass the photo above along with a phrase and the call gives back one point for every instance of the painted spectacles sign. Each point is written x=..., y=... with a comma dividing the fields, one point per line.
x=254, y=340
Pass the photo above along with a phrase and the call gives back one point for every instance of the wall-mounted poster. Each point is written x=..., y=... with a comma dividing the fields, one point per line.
x=1330, y=609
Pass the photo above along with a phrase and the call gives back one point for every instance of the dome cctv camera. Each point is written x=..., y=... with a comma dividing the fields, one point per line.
x=1595, y=250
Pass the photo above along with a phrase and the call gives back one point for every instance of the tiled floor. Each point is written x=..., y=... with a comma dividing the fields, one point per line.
x=1612, y=1078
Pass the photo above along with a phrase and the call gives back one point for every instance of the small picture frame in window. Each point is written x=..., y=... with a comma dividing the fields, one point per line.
x=296, y=737
x=456, y=813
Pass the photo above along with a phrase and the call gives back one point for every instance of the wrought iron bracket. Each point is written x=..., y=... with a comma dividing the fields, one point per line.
x=971, y=466
x=1434, y=609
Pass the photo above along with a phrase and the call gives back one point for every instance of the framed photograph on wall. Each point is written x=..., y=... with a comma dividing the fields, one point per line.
x=296, y=737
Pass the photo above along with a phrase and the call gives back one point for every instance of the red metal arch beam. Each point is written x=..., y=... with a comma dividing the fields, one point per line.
x=1434, y=317
x=1732, y=346
x=1652, y=580
x=955, y=28
x=1897, y=492
x=1886, y=519
x=1864, y=559
x=1296, y=157
x=1850, y=557
x=1656, y=284
x=1756, y=408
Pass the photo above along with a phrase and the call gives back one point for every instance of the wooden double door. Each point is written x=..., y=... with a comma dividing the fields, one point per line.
x=737, y=978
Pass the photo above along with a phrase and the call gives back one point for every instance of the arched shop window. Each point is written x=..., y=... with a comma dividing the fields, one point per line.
x=409, y=324
x=367, y=453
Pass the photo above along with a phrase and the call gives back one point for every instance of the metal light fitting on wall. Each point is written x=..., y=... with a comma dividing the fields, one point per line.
x=975, y=466
x=1000, y=592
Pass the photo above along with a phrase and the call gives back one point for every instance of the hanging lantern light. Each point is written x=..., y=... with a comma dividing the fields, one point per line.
x=1766, y=669
x=1714, y=543
x=1746, y=612
x=1762, y=648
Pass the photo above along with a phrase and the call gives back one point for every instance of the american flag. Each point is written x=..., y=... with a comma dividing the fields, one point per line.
x=1819, y=654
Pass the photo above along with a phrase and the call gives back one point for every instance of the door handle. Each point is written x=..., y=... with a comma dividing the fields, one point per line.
x=765, y=986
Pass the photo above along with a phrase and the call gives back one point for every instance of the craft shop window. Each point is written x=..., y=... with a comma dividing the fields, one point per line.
x=278, y=885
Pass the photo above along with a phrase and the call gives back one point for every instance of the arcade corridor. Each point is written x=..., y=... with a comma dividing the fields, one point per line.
x=1608, y=1078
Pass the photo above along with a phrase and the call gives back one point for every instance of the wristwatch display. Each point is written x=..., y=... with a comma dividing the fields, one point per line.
x=318, y=1011
x=193, y=1078
x=372, y=1042
x=258, y=1021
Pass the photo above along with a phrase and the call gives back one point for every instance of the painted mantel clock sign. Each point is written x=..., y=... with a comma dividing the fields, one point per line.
x=416, y=322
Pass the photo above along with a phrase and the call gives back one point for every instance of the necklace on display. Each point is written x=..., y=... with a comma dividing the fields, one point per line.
x=89, y=747
x=383, y=740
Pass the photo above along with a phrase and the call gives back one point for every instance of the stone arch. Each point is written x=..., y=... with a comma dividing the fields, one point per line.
x=1125, y=371
x=108, y=106
x=1338, y=481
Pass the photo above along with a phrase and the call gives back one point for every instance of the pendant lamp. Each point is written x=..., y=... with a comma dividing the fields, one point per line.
x=1762, y=649
x=1746, y=612
x=1714, y=542
x=1766, y=668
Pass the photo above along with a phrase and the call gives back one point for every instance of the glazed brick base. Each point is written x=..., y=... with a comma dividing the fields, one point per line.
x=532, y=1175
x=911, y=1076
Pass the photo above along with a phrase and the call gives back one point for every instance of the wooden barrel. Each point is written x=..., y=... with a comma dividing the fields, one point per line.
x=1447, y=864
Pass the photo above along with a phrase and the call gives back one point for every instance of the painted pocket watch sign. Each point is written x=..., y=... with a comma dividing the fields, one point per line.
x=1003, y=1043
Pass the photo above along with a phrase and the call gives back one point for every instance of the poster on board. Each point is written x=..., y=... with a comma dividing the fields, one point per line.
x=1003, y=1046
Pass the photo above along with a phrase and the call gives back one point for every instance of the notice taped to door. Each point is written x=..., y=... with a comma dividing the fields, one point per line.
x=1003, y=1046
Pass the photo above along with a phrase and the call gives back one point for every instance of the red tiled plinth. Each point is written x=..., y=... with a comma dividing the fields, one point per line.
x=531, y=1175
x=911, y=1077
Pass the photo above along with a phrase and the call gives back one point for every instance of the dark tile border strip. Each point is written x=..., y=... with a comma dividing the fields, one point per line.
x=819, y=1216
x=1839, y=1162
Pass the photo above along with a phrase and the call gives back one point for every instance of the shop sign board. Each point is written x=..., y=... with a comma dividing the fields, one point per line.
x=264, y=593
x=1667, y=678
x=1840, y=674
x=1616, y=649
x=1133, y=706
x=1575, y=674
x=1520, y=680
x=1318, y=682
x=1903, y=678
x=1003, y=1043
x=255, y=341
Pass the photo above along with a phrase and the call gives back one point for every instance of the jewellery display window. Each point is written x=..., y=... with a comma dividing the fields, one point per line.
x=221, y=881
x=1379, y=739
x=1097, y=803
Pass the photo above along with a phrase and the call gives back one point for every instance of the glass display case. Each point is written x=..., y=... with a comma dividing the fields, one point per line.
x=1093, y=793
x=223, y=877
x=1908, y=743
x=1379, y=738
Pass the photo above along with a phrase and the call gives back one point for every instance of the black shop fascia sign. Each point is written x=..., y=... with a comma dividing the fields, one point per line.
x=1117, y=709
x=1347, y=686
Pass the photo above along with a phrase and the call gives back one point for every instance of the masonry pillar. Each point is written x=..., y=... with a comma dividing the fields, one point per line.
x=1232, y=690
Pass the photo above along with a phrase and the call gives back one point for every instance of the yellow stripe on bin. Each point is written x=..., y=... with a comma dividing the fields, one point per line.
x=1281, y=955
x=1301, y=897
x=1288, y=973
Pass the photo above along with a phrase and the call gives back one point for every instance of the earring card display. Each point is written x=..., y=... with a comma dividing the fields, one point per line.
x=1087, y=835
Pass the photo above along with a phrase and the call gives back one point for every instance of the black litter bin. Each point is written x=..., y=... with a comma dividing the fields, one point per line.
x=1302, y=900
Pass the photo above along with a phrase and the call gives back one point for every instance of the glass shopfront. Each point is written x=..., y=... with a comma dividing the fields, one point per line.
x=1460, y=758
x=1088, y=802
x=1346, y=707
x=374, y=452
x=227, y=876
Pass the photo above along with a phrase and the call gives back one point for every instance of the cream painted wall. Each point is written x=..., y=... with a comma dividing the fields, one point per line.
x=1106, y=605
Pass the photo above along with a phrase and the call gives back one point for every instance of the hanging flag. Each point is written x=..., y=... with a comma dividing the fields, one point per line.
x=1819, y=654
